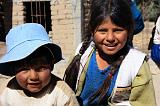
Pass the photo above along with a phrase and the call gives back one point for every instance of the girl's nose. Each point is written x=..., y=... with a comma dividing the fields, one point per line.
x=110, y=37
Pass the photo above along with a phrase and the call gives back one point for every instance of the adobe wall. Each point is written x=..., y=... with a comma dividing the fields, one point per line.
x=66, y=26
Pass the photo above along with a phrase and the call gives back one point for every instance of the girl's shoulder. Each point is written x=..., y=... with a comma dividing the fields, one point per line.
x=130, y=67
x=134, y=56
x=133, y=51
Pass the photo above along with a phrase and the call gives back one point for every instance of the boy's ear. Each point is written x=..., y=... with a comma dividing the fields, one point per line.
x=52, y=67
x=53, y=61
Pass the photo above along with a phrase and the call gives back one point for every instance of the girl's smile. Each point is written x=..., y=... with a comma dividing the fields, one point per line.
x=109, y=37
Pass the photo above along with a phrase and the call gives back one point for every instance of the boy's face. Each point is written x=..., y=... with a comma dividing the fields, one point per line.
x=34, y=75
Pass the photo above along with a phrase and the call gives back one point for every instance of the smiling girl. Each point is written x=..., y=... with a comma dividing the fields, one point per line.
x=105, y=70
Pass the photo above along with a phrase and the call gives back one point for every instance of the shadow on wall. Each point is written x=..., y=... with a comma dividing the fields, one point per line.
x=3, y=67
x=6, y=17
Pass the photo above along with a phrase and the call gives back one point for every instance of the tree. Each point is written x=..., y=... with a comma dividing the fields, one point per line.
x=150, y=9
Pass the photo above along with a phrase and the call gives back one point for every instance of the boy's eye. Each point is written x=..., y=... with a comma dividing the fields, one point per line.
x=18, y=69
x=43, y=67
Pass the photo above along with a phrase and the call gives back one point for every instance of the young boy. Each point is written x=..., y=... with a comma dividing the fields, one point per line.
x=31, y=57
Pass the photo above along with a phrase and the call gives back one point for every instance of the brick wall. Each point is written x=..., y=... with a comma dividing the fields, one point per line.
x=7, y=14
x=66, y=26
x=2, y=48
x=17, y=13
x=141, y=40
x=66, y=29
x=86, y=12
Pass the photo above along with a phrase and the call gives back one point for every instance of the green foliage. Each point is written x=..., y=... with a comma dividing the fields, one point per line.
x=149, y=8
x=153, y=11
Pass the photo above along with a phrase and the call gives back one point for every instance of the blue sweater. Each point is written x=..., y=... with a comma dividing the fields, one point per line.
x=137, y=16
x=94, y=80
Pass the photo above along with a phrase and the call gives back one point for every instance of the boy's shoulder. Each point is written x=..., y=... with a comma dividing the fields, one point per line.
x=3, y=82
x=64, y=94
x=61, y=85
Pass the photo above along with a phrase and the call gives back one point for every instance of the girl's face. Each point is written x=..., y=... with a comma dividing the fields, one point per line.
x=35, y=77
x=109, y=37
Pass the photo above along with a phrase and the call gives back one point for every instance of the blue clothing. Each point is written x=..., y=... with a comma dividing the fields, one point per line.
x=94, y=80
x=137, y=16
x=155, y=53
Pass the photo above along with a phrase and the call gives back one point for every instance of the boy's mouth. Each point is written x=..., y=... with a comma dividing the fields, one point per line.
x=34, y=84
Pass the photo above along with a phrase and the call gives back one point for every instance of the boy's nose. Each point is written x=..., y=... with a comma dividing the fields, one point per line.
x=33, y=74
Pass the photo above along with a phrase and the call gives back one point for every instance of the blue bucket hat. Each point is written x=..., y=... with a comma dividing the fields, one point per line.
x=24, y=39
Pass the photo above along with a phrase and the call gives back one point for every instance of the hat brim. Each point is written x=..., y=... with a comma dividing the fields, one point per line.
x=26, y=48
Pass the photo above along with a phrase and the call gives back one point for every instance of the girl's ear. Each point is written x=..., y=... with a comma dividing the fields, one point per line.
x=92, y=34
x=92, y=37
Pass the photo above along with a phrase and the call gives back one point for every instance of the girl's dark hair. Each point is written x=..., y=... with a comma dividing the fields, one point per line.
x=120, y=14
x=153, y=33
x=118, y=10
x=71, y=73
x=151, y=39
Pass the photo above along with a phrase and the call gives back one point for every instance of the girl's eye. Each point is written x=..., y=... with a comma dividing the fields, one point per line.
x=102, y=30
x=118, y=30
